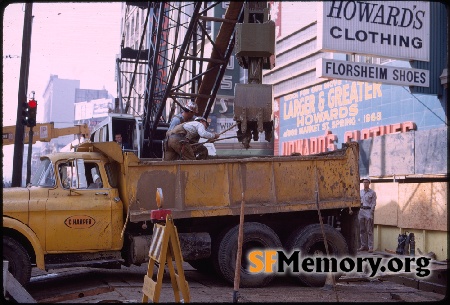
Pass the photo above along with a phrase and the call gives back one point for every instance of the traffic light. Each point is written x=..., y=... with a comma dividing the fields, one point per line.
x=32, y=107
x=24, y=113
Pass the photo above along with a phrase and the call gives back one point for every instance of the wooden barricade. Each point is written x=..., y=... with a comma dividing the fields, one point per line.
x=164, y=249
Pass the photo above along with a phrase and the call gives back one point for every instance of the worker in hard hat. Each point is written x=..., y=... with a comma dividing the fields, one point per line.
x=187, y=115
x=181, y=138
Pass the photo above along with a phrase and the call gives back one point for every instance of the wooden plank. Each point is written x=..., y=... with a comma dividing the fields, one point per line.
x=423, y=206
x=386, y=210
x=149, y=286
x=173, y=276
x=16, y=291
x=155, y=246
x=77, y=295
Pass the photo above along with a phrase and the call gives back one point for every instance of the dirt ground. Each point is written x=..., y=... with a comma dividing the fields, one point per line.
x=89, y=285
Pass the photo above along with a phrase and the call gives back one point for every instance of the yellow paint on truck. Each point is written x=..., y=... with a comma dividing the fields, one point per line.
x=60, y=223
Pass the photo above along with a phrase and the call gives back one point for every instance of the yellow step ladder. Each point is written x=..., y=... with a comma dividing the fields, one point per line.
x=164, y=249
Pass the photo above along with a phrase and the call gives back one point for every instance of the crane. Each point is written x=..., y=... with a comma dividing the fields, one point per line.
x=43, y=132
x=176, y=67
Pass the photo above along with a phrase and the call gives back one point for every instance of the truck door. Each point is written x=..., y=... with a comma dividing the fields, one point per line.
x=78, y=213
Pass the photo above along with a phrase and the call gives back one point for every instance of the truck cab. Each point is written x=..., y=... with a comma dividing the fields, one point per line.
x=131, y=129
x=71, y=208
x=127, y=125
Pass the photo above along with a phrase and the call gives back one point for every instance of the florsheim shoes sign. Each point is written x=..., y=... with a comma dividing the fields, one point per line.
x=391, y=29
x=338, y=69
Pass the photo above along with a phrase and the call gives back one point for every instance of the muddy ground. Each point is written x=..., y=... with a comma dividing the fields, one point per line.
x=89, y=285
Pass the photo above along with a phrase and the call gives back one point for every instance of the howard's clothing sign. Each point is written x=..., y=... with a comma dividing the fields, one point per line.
x=392, y=29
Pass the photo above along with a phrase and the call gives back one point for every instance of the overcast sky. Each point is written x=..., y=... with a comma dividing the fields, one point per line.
x=72, y=40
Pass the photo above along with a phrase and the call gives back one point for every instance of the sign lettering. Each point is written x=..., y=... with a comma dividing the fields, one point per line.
x=338, y=69
x=393, y=29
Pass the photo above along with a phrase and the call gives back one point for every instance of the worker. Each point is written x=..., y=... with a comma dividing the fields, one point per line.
x=187, y=115
x=365, y=216
x=181, y=138
x=119, y=140
x=97, y=184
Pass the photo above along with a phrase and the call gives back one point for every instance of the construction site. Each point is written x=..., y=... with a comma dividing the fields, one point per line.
x=282, y=174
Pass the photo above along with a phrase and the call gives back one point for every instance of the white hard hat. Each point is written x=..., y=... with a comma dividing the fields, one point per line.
x=191, y=106
x=96, y=177
x=200, y=118
x=366, y=178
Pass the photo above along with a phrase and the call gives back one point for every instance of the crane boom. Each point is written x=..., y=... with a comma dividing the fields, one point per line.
x=176, y=67
x=43, y=132
x=223, y=47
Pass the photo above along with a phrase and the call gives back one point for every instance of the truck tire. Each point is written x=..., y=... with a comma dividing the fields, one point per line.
x=309, y=241
x=256, y=236
x=19, y=261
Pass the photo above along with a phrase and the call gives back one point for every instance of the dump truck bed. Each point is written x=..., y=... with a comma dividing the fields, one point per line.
x=216, y=187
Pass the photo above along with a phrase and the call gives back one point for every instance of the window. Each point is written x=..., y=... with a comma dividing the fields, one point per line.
x=94, y=177
x=67, y=175
x=44, y=176
x=137, y=22
x=79, y=174
x=111, y=170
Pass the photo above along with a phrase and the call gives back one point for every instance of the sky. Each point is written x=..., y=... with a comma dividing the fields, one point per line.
x=72, y=40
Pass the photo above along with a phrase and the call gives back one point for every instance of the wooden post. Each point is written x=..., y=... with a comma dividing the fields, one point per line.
x=237, y=270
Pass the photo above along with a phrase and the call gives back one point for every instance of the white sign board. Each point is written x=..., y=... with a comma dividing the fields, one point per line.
x=391, y=29
x=43, y=132
x=356, y=71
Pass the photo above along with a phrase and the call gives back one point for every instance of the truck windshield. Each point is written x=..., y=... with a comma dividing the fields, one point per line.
x=44, y=176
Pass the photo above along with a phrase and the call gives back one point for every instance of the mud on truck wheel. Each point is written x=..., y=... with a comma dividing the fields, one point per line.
x=256, y=236
x=19, y=261
x=309, y=240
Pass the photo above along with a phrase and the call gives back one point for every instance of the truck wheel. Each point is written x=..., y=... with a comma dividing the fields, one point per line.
x=256, y=236
x=19, y=261
x=309, y=241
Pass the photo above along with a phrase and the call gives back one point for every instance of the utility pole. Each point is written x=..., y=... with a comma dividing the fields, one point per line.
x=22, y=96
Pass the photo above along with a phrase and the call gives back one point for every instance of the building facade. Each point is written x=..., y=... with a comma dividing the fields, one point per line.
x=131, y=33
x=402, y=130
x=86, y=95
x=93, y=111
x=60, y=97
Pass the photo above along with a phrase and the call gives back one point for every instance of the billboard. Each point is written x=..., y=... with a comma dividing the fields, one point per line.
x=321, y=118
x=391, y=29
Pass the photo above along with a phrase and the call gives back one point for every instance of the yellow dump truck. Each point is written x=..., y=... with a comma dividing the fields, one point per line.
x=92, y=208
